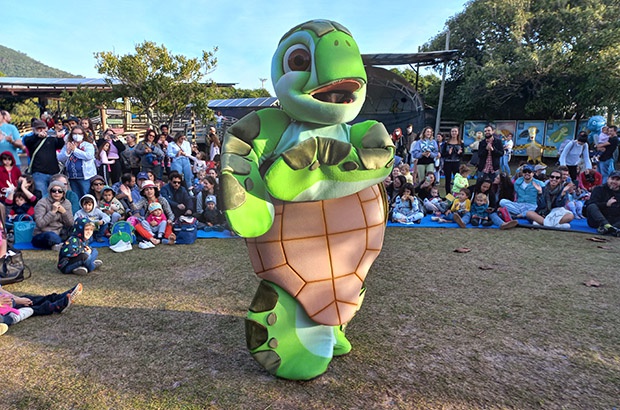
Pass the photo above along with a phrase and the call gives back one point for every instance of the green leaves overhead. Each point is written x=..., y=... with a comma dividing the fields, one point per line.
x=525, y=59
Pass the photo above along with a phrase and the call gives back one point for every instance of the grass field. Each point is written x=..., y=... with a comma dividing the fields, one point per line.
x=508, y=325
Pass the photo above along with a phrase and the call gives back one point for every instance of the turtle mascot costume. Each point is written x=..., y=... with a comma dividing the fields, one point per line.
x=304, y=189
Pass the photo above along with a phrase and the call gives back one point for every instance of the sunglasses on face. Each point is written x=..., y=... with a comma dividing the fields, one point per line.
x=98, y=184
x=176, y=182
x=554, y=177
x=57, y=191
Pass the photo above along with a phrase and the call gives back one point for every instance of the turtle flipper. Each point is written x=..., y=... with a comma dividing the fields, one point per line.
x=283, y=339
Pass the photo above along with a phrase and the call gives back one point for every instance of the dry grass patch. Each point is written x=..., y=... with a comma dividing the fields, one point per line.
x=163, y=328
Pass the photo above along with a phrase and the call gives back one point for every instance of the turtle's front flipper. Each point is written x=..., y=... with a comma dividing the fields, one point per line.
x=283, y=339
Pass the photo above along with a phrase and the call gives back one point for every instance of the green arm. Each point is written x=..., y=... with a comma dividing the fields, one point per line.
x=246, y=202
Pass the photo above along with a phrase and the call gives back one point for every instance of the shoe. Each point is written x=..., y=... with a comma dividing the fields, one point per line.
x=75, y=293
x=535, y=223
x=145, y=245
x=24, y=313
x=3, y=328
x=80, y=271
x=97, y=263
x=606, y=229
x=57, y=247
x=61, y=305
x=459, y=221
x=508, y=225
x=564, y=226
x=434, y=218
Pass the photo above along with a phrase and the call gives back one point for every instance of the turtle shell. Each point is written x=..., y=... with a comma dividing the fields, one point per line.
x=320, y=252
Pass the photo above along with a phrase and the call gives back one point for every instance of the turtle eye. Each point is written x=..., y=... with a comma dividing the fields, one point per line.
x=297, y=58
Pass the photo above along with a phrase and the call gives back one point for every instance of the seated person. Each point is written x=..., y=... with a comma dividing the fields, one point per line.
x=435, y=204
x=407, y=208
x=590, y=178
x=75, y=255
x=111, y=206
x=526, y=191
x=551, y=201
x=130, y=184
x=157, y=221
x=481, y=214
x=460, y=206
x=603, y=207
x=92, y=212
x=54, y=218
x=212, y=217
x=177, y=196
x=20, y=206
x=19, y=308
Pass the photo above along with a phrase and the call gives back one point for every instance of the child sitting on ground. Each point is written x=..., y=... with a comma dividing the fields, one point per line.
x=460, y=206
x=460, y=179
x=435, y=204
x=111, y=206
x=213, y=218
x=93, y=214
x=575, y=200
x=478, y=212
x=21, y=206
x=156, y=220
x=406, y=208
x=75, y=255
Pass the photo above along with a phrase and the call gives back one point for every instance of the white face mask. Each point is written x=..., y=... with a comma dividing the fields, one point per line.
x=78, y=137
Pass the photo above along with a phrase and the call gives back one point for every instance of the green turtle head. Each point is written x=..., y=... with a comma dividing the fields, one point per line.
x=318, y=74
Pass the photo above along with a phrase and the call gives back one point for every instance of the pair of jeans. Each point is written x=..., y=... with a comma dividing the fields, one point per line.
x=495, y=218
x=89, y=263
x=517, y=208
x=41, y=182
x=45, y=240
x=606, y=168
x=182, y=166
x=80, y=186
x=504, y=164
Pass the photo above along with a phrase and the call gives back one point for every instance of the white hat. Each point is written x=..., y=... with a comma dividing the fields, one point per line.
x=121, y=246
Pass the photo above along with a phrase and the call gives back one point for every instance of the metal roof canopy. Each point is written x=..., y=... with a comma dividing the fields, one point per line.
x=24, y=84
x=427, y=58
x=244, y=102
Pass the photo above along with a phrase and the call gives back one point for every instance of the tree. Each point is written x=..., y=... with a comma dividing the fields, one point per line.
x=155, y=79
x=428, y=84
x=523, y=59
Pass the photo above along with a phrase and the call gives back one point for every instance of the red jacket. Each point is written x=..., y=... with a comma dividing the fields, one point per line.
x=8, y=176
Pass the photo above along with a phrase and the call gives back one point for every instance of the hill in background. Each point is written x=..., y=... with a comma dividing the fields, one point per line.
x=17, y=64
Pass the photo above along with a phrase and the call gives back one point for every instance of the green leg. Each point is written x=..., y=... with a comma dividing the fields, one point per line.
x=343, y=346
x=283, y=339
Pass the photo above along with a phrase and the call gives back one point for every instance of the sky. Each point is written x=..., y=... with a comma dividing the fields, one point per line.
x=65, y=34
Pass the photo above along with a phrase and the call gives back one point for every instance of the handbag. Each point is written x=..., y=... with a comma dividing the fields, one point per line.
x=186, y=230
x=23, y=227
x=504, y=214
x=13, y=268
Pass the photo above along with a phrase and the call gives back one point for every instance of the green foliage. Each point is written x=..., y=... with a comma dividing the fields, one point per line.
x=428, y=84
x=155, y=79
x=16, y=64
x=526, y=59
x=23, y=112
x=85, y=102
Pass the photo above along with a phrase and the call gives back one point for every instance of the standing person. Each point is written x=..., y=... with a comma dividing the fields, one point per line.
x=490, y=150
x=9, y=174
x=424, y=151
x=130, y=160
x=603, y=207
x=574, y=152
x=180, y=151
x=105, y=163
x=508, y=145
x=78, y=155
x=88, y=128
x=606, y=161
x=402, y=146
x=151, y=156
x=215, y=145
x=452, y=153
x=42, y=152
x=165, y=132
x=10, y=140
x=114, y=154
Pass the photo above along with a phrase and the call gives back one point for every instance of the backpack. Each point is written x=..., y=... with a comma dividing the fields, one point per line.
x=186, y=230
x=122, y=230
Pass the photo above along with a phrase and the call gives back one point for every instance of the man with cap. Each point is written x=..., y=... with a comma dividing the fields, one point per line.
x=526, y=191
x=603, y=207
x=10, y=140
x=42, y=153
x=127, y=187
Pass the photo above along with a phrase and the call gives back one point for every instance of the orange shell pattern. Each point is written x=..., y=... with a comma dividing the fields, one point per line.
x=320, y=252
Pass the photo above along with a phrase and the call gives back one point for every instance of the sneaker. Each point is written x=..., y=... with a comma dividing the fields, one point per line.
x=80, y=271
x=3, y=328
x=57, y=247
x=535, y=223
x=564, y=226
x=61, y=305
x=434, y=218
x=97, y=263
x=75, y=293
x=459, y=221
x=508, y=225
x=145, y=245
x=24, y=313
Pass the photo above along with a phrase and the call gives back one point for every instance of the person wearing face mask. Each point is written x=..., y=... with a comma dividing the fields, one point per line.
x=78, y=155
x=42, y=153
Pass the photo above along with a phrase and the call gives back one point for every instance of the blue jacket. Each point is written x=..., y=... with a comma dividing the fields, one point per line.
x=529, y=194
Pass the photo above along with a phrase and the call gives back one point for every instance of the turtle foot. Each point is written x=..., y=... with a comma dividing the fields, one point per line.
x=342, y=346
x=283, y=339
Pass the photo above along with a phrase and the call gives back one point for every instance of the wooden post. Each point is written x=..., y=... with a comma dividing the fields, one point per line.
x=193, y=126
x=104, y=118
x=126, y=114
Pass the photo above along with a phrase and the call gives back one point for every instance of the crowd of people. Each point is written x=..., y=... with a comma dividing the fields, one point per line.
x=485, y=191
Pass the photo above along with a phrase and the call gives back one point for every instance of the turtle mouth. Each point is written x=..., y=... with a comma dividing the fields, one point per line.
x=339, y=92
